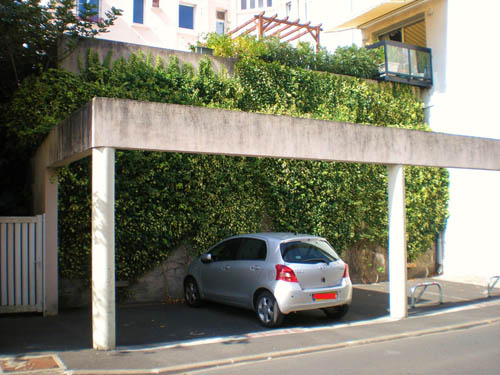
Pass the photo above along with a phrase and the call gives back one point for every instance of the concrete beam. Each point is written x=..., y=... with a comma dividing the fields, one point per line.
x=134, y=125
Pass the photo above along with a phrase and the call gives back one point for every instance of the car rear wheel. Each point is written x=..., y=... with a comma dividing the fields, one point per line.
x=192, y=293
x=336, y=312
x=268, y=311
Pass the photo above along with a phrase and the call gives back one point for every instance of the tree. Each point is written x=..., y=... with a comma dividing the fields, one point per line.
x=31, y=33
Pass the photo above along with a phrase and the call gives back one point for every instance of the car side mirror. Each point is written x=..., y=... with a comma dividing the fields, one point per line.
x=206, y=258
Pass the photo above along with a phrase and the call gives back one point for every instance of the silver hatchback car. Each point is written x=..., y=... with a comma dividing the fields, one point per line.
x=273, y=274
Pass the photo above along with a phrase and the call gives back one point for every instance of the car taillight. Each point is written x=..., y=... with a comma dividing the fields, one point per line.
x=285, y=273
x=346, y=271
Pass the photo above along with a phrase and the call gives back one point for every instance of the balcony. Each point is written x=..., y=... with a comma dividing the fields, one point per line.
x=405, y=63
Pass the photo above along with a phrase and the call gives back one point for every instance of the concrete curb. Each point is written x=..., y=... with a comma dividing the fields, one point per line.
x=284, y=353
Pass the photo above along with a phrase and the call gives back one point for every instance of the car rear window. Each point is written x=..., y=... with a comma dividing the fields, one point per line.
x=308, y=251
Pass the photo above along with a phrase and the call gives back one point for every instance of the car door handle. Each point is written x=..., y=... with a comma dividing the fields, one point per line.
x=255, y=268
x=225, y=268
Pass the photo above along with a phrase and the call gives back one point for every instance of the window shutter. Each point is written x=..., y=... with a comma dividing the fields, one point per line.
x=414, y=34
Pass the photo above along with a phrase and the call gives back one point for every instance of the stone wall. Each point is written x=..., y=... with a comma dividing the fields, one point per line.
x=162, y=284
x=367, y=264
x=165, y=282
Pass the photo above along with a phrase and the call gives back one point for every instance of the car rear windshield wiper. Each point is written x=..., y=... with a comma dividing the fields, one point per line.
x=317, y=260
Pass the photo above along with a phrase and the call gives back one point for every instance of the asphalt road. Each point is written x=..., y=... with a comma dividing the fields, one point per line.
x=469, y=351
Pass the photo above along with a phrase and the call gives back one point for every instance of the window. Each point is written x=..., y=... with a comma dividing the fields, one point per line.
x=220, y=22
x=186, y=16
x=226, y=250
x=253, y=4
x=395, y=35
x=138, y=16
x=93, y=5
x=313, y=251
x=410, y=32
x=252, y=249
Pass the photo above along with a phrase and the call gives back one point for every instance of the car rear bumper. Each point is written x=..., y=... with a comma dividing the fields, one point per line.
x=291, y=297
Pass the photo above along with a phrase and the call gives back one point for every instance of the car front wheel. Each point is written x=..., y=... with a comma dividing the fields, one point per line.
x=268, y=311
x=192, y=293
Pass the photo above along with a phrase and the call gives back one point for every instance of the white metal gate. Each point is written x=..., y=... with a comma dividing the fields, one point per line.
x=21, y=264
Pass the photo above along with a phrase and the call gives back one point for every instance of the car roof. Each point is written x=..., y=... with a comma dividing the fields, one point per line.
x=277, y=236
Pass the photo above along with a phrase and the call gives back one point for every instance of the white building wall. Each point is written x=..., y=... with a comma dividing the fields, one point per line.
x=463, y=101
x=332, y=13
x=326, y=12
x=160, y=26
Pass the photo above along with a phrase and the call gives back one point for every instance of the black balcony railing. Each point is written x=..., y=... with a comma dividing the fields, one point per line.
x=405, y=63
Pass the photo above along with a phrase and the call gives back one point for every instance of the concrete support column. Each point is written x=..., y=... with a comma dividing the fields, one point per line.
x=398, y=302
x=50, y=272
x=103, y=248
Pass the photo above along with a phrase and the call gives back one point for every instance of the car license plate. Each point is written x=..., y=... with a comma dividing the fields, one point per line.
x=324, y=296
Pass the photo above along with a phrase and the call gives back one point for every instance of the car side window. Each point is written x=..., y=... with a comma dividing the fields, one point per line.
x=226, y=250
x=252, y=249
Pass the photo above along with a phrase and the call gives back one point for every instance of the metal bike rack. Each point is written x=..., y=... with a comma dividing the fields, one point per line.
x=424, y=286
x=491, y=284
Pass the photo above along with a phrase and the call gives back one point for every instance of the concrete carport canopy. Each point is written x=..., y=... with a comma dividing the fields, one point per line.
x=103, y=125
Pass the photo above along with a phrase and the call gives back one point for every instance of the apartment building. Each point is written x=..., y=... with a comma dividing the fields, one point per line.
x=177, y=24
x=165, y=23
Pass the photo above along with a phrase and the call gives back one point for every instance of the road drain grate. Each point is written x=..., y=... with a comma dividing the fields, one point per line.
x=30, y=364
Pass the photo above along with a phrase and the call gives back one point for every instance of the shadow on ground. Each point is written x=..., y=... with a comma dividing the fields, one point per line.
x=161, y=324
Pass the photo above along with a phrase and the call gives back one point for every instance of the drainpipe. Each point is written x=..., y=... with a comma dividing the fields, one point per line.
x=440, y=252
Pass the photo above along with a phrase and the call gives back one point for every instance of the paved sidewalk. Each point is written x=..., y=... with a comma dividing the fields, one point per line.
x=176, y=339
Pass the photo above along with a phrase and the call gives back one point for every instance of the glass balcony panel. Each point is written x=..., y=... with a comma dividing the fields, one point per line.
x=397, y=60
x=404, y=63
x=420, y=64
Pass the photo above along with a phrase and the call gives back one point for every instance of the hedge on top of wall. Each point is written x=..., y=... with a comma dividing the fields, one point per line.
x=165, y=199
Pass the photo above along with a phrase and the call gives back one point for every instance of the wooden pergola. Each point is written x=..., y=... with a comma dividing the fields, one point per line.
x=287, y=31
